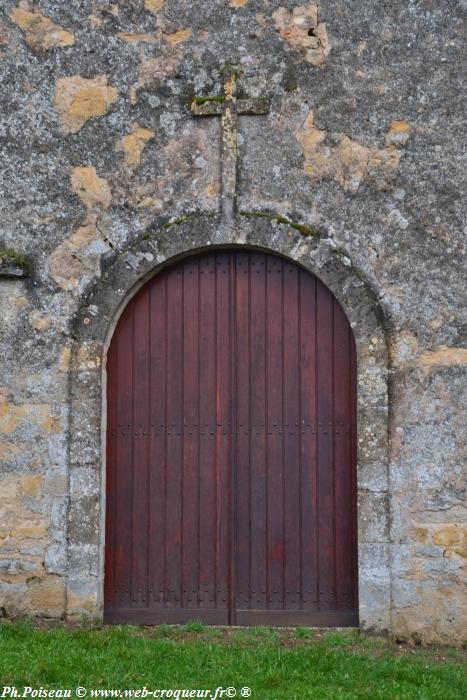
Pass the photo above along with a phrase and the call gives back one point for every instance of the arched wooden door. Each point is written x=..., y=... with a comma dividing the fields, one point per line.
x=231, y=448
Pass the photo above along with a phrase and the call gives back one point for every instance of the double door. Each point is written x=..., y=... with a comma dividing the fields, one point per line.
x=230, y=479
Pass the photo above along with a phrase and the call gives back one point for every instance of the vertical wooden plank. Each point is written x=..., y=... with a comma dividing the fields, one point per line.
x=275, y=475
x=191, y=433
x=141, y=408
x=291, y=428
x=124, y=463
x=308, y=427
x=110, y=580
x=342, y=459
x=232, y=479
x=223, y=342
x=207, y=421
x=174, y=321
x=157, y=448
x=258, y=495
x=353, y=467
x=243, y=491
x=326, y=535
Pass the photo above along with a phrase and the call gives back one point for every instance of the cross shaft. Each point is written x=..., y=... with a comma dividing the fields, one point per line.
x=229, y=107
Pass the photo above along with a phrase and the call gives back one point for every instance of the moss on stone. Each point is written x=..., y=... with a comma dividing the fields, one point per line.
x=175, y=222
x=149, y=234
x=14, y=258
x=229, y=69
x=202, y=100
x=298, y=226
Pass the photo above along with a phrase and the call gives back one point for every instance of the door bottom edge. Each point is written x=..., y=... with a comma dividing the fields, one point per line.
x=242, y=618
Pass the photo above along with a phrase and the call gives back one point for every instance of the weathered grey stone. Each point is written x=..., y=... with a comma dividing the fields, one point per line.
x=15, y=566
x=56, y=559
x=361, y=146
x=372, y=435
x=83, y=598
x=372, y=517
x=58, y=520
x=374, y=587
x=84, y=482
x=83, y=514
x=372, y=477
x=83, y=560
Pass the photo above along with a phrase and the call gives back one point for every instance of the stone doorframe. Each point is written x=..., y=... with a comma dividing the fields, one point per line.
x=94, y=326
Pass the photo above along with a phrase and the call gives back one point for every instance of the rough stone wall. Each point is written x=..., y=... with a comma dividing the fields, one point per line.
x=363, y=145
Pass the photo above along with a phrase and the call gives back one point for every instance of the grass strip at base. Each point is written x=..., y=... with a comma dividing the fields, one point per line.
x=274, y=663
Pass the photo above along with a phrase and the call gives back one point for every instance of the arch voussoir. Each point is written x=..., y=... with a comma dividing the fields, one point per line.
x=93, y=328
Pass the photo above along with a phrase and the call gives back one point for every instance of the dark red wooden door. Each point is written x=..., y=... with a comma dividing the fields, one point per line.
x=231, y=442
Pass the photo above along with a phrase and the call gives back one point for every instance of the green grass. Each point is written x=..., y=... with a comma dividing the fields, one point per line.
x=290, y=664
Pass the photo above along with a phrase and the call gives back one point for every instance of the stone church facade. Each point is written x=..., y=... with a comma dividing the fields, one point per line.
x=338, y=146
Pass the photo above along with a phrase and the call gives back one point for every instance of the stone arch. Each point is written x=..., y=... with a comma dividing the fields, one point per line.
x=94, y=325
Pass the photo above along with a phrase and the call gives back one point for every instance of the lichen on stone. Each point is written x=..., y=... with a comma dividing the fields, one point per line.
x=153, y=72
x=304, y=32
x=398, y=133
x=40, y=32
x=38, y=320
x=79, y=257
x=179, y=37
x=94, y=191
x=338, y=157
x=444, y=356
x=138, y=38
x=78, y=99
x=132, y=144
x=153, y=6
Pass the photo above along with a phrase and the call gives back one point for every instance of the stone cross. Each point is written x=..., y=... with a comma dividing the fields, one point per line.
x=228, y=106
